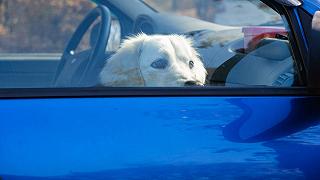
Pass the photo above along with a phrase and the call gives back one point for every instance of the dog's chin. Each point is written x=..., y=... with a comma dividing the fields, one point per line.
x=181, y=83
x=165, y=85
x=193, y=84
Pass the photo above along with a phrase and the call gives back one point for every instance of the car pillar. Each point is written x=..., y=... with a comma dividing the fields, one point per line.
x=314, y=61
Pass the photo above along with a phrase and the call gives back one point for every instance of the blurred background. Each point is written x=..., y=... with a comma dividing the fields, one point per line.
x=28, y=26
x=225, y=12
x=39, y=25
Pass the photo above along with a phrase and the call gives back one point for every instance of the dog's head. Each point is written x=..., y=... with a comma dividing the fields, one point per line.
x=154, y=61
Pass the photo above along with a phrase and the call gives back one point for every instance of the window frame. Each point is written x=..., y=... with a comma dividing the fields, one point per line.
x=295, y=38
x=101, y=92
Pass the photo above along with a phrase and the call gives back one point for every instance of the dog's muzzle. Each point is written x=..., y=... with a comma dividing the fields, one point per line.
x=192, y=83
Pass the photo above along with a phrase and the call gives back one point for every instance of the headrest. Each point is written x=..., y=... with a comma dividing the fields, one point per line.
x=273, y=49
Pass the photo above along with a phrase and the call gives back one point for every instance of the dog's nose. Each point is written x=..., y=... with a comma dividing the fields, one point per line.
x=192, y=83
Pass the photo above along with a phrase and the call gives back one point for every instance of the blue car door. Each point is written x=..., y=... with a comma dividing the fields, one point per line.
x=169, y=137
x=253, y=131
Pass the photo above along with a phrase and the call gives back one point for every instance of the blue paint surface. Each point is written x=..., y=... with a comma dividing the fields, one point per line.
x=311, y=6
x=116, y=138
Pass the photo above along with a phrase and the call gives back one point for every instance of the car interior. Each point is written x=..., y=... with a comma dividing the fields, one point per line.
x=264, y=61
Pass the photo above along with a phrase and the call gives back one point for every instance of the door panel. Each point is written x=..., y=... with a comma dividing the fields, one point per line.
x=147, y=138
x=27, y=70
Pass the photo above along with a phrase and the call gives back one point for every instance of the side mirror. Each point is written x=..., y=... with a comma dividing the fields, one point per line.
x=314, y=61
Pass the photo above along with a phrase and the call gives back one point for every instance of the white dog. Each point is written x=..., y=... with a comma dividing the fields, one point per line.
x=154, y=61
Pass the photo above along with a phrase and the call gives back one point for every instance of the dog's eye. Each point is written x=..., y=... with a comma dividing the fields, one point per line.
x=160, y=64
x=191, y=64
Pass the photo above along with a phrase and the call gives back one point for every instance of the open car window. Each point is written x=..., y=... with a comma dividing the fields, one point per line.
x=224, y=12
x=247, y=43
x=185, y=43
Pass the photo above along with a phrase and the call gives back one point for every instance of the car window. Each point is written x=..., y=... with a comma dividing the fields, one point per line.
x=224, y=12
x=37, y=26
x=184, y=43
x=34, y=34
x=244, y=43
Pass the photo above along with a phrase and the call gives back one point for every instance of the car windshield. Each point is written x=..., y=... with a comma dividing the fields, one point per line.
x=224, y=12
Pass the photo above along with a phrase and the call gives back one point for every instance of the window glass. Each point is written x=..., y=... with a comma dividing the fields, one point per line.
x=224, y=12
x=34, y=35
x=184, y=43
x=244, y=43
x=39, y=26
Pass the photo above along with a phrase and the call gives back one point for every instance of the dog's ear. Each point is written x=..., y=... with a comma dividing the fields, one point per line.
x=187, y=40
x=122, y=69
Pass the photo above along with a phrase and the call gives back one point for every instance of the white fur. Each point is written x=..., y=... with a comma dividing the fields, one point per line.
x=131, y=65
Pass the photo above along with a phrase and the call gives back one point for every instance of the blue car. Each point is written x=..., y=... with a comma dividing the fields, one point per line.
x=257, y=117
